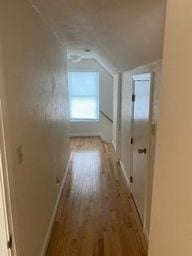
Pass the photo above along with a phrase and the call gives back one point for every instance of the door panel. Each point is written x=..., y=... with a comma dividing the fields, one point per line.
x=141, y=124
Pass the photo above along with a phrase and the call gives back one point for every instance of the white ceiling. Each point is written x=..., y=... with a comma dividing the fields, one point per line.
x=122, y=34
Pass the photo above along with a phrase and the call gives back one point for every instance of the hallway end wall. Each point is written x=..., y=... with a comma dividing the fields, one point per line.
x=104, y=127
x=35, y=75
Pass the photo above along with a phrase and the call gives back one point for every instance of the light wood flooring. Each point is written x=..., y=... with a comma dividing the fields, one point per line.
x=96, y=215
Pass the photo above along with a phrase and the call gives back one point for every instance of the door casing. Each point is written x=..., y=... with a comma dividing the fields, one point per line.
x=118, y=131
x=143, y=76
x=5, y=150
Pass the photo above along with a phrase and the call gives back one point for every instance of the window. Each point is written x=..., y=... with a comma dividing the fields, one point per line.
x=84, y=95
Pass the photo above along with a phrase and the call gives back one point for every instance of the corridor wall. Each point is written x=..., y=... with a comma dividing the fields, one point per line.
x=35, y=93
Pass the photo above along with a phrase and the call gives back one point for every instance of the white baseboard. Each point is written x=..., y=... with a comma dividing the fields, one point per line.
x=125, y=175
x=85, y=134
x=145, y=231
x=48, y=234
x=114, y=146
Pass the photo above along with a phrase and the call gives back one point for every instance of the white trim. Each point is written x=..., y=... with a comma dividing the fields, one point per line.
x=149, y=76
x=117, y=122
x=3, y=171
x=3, y=215
x=114, y=146
x=85, y=134
x=149, y=146
x=5, y=152
x=49, y=230
x=125, y=174
x=73, y=120
x=146, y=234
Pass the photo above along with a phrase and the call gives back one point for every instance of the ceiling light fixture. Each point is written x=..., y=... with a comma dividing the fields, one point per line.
x=75, y=58
x=87, y=51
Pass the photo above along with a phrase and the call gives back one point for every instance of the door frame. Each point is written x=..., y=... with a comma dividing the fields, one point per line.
x=3, y=210
x=117, y=117
x=4, y=164
x=118, y=128
x=150, y=76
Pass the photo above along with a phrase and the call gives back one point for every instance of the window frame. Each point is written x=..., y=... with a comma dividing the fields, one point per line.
x=98, y=97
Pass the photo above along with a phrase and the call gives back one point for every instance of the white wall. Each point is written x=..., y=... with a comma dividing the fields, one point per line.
x=104, y=127
x=126, y=120
x=115, y=109
x=171, y=225
x=117, y=87
x=35, y=75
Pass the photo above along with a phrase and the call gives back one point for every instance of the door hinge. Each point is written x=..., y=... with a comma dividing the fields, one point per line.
x=133, y=97
x=131, y=141
x=131, y=179
x=10, y=242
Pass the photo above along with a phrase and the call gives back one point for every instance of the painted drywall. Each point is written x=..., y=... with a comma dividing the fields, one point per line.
x=126, y=120
x=117, y=86
x=104, y=127
x=171, y=225
x=35, y=76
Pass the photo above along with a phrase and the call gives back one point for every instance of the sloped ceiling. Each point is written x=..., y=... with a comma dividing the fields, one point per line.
x=122, y=34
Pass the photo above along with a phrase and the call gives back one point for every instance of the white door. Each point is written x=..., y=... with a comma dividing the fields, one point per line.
x=141, y=133
x=4, y=251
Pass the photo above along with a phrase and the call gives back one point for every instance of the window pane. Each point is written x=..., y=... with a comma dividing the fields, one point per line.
x=83, y=95
x=83, y=83
x=83, y=108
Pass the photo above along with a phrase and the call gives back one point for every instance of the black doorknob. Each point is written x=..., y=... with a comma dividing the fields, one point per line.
x=142, y=151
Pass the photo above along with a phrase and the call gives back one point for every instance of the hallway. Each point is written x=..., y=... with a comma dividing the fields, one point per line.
x=96, y=215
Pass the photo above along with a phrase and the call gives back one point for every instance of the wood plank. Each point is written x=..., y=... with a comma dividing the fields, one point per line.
x=96, y=215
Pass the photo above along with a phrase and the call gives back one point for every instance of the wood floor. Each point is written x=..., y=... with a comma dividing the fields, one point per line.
x=96, y=216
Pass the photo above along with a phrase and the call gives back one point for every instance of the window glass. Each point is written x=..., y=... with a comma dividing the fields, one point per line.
x=84, y=95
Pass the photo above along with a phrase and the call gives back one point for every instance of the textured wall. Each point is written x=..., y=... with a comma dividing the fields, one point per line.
x=171, y=225
x=103, y=127
x=126, y=119
x=35, y=88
